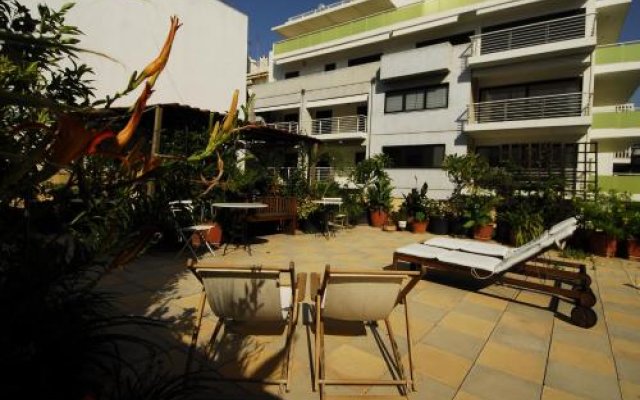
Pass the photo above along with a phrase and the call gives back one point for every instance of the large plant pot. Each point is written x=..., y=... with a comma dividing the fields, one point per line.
x=419, y=227
x=439, y=225
x=377, y=218
x=633, y=249
x=212, y=236
x=603, y=245
x=483, y=232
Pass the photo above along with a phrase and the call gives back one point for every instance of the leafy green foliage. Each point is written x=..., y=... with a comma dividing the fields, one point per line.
x=605, y=213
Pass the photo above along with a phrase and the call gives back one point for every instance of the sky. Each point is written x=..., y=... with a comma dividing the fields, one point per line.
x=265, y=14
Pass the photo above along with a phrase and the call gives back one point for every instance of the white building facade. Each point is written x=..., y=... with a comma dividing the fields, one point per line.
x=540, y=83
x=208, y=59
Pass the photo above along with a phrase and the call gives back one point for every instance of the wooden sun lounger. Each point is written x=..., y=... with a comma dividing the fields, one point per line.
x=515, y=267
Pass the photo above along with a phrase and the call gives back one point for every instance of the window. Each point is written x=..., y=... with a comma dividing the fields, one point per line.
x=364, y=60
x=421, y=156
x=330, y=67
x=427, y=98
x=291, y=74
x=533, y=89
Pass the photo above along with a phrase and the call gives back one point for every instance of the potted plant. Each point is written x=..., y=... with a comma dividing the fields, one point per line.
x=479, y=216
x=420, y=222
x=379, y=201
x=401, y=218
x=438, y=221
x=390, y=224
x=370, y=175
x=603, y=218
x=524, y=222
x=633, y=235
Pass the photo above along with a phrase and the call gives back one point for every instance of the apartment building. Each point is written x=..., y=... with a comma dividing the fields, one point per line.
x=543, y=84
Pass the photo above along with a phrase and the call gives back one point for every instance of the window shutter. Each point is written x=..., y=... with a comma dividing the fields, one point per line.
x=393, y=103
x=437, y=97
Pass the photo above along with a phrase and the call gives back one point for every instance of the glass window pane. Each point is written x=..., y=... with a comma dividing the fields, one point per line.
x=437, y=97
x=414, y=100
x=393, y=102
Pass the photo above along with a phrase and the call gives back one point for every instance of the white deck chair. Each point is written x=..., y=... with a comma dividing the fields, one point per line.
x=365, y=296
x=247, y=295
x=501, y=263
x=185, y=225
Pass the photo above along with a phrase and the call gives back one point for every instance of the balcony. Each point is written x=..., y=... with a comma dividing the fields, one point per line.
x=331, y=14
x=617, y=72
x=570, y=109
x=340, y=128
x=370, y=23
x=557, y=36
x=291, y=127
x=319, y=174
x=624, y=122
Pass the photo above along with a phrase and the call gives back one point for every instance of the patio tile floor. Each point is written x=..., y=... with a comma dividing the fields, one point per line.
x=491, y=342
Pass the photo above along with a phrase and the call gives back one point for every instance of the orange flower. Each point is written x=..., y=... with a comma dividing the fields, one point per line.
x=97, y=140
x=124, y=136
x=154, y=68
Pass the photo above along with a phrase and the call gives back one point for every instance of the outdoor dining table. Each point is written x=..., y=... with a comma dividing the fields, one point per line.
x=324, y=203
x=239, y=219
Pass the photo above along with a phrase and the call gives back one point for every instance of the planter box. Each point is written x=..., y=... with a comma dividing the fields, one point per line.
x=603, y=245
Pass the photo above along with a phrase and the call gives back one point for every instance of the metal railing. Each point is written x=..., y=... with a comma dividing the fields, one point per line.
x=328, y=174
x=291, y=127
x=319, y=9
x=319, y=174
x=555, y=30
x=528, y=108
x=348, y=124
x=625, y=154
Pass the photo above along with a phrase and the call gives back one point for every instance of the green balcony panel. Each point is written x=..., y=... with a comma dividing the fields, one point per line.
x=619, y=53
x=387, y=18
x=620, y=183
x=616, y=120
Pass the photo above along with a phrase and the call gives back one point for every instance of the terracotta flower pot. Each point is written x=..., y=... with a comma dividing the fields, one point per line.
x=377, y=218
x=633, y=249
x=212, y=236
x=419, y=227
x=603, y=245
x=483, y=232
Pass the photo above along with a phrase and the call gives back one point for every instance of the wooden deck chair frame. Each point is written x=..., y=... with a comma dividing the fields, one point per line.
x=320, y=381
x=574, y=274
x=298, y=286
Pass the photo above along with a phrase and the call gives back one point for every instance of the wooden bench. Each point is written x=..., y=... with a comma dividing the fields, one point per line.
x=280, y=209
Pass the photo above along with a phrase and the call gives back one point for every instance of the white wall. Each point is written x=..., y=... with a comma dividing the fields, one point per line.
x=440, y=126
x=208, y=60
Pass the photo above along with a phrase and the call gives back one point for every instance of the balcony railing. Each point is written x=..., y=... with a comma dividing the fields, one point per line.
x=319, y=174
x=348, y=124
x=372, y=22
x=555, y=30
x=618, y=53
x=321, y=8
x=291, y=127
x=528, y=108
x=624, y=118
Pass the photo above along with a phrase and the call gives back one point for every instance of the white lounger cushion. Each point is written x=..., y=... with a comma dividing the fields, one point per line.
x=451, y=256
x=422, y=251
x=560, y=226
x=470, y=246
x=471, y=260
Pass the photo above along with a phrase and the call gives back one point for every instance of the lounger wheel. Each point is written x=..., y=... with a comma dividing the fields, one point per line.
x=583, y=317
x=587, y=299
